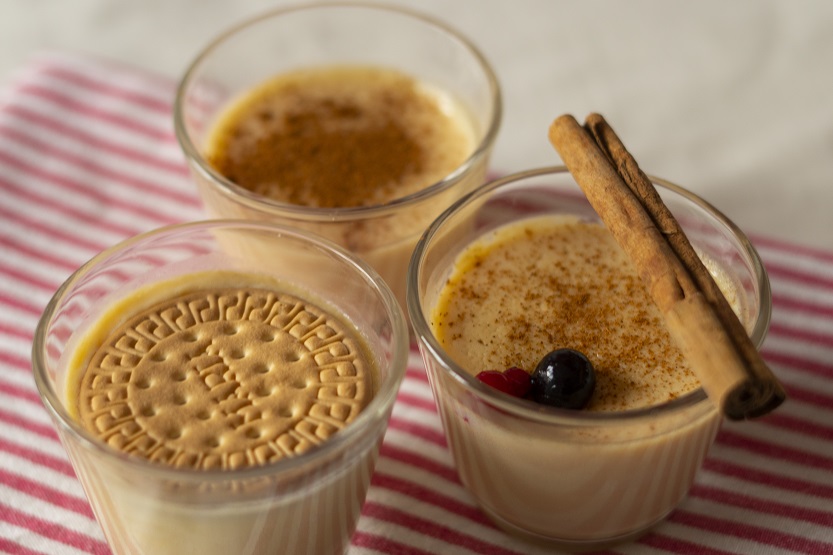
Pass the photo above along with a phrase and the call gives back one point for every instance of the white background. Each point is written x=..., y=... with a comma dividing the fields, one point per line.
x=732, y=99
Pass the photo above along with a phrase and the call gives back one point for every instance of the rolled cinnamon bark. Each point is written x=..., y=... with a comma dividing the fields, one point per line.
x=702, y=322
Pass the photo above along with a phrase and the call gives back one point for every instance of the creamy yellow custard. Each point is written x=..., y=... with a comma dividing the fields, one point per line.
x=559, y=282
x=340, y=136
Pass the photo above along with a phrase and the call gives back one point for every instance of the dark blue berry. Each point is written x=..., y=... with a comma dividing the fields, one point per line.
x=564, y=378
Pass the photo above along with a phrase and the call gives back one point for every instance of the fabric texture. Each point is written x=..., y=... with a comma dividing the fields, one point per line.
x=88, y=157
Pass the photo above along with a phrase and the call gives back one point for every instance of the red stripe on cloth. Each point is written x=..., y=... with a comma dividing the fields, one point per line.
x=16, y=303
x=53, y=531
x=432, y=529
x=799, y=426
x=750, y=532
x=801, y=334
x=417, y=373
x=781, y=301
x=111, y=147
x=681, y=547
x=74, y=106
x=43, y=430
x=16, y=362
x=799, y=363
x=426, y=495
x=45, y=493
x=37, y=457
x=90, y=165
x=29, y=280
x=10, y=546
x=47, y=257
x=112, y=68
x=49, y=230
x=419, y=431
x=791, y=248
x=24, y=334
x=20, y=393
x=416, y=401
x=768, y=479
x=38, y=255
x=385, y=545
x=106, y=87
x=764, y=506
x=774, y=451
x=416, y=460
x=809, y=396
x=89, y=190
x=798, y=276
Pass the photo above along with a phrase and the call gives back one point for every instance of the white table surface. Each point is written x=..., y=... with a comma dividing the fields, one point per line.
x=731, y=99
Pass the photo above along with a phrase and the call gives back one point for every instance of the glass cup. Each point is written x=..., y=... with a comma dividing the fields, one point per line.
x=323, y=35
x=307, y=504
x=572, y=479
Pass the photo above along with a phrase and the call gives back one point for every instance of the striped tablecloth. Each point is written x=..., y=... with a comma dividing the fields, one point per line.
x=88, y=157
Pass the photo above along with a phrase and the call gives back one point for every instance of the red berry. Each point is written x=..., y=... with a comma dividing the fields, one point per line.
x=496, y=379
x=519, y=379
x=513, y=381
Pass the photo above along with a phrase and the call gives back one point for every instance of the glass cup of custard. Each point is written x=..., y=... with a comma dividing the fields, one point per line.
x=214, y=400
x=523, y=268
x=357, y=122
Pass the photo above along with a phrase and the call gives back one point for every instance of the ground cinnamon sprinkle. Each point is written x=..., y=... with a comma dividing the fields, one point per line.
x=562, y=283
x=338, y=137
x=307, y=151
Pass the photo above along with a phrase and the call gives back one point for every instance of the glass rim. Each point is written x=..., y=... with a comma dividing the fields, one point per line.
x=308, y=213
x=375, y=410
x=553, y=415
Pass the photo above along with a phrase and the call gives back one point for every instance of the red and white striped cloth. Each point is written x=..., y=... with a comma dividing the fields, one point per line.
x=88, y=157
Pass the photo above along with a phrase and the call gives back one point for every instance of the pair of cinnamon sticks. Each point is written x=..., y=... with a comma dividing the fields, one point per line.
x=698, y=316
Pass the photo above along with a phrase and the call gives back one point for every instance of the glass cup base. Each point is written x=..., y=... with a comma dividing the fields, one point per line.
x=569, y=545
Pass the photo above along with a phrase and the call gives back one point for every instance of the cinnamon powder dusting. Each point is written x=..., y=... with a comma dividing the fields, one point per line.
x=552, y=283
x=338, y=137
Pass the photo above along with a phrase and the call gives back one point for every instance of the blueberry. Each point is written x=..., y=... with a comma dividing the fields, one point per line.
x=564, y=378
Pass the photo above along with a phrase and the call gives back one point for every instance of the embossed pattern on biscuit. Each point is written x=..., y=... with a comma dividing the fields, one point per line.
x=225, y=379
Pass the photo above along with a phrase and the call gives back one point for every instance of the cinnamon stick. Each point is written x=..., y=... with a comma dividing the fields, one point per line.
x=699, y=317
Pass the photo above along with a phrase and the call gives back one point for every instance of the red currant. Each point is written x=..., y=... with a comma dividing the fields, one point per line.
x=513, y=381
